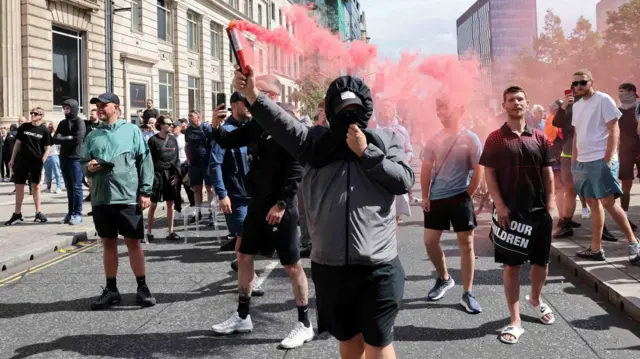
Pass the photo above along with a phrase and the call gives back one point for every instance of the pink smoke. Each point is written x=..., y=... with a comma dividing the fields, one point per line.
x=413, y=82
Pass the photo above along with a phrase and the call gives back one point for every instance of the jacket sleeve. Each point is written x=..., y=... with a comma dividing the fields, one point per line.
x=292, y=135
x=80, y=133
x=560, y=120
x=85, y=157
x=56, y=140
x=144, y=164
x=390, y=170
x=240, y=137
x=292, y=180
x=215, y=169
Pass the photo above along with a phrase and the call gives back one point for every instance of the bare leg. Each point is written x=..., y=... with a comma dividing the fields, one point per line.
x=467, y=258
x=619, y=217
x=19, y=198
x=352, y=348
x=512, y=292
x=170, y=214
x=538, y=276
x=371, y=352
x=136, y=256
x=299, y=283
x=36, y=195
x=151, y=215
x=197, y=195
x=560, y=200
x=569, y=200
x=245, y=274
x=435, y=253
x=597, y=223
x=110, y=257
x=626, y=194
x=209, y=193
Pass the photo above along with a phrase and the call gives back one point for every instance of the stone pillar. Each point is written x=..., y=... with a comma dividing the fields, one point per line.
x=10, y=61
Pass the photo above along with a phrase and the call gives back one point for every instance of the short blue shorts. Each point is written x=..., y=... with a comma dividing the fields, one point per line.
x=199, y=173
x=596, y=179
x=235, y=220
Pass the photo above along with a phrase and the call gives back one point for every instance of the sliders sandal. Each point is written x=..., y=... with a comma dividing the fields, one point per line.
x=541, y=311
x=513, y=331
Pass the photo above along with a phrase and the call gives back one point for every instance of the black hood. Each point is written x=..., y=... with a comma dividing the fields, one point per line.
x=73, y=104
x=352, y=84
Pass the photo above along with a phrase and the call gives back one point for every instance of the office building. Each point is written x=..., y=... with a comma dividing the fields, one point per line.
x=602, y=8
x=497, y=31
x=174, y=52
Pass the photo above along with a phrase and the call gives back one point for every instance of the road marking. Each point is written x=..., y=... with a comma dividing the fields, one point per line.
x=265, y=274
x=42, y=266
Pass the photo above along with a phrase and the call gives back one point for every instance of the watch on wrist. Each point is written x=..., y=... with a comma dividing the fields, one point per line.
x=281, y=204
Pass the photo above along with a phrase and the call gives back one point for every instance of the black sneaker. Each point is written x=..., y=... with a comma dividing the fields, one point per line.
x=305, y=252
x=633, y=226
x=230, y=246
x=607, y=236
x=107, y=299
x=234, y=265
x=15, y=218
x=173, y=236
x=575, y=224
x=40, y=218
x=590, y=254
x=144, y=297
x=149, y=238
x=565, y=231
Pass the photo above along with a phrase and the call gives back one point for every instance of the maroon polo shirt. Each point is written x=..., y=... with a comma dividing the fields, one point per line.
x=518, y=162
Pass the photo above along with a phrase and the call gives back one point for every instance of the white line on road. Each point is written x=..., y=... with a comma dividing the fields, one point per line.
x=267, y=271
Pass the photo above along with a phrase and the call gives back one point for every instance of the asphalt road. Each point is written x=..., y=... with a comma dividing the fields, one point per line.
x=46, y=314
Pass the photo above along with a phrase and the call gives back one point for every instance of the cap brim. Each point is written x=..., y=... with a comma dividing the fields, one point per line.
x=98, y=99
x=347, y=102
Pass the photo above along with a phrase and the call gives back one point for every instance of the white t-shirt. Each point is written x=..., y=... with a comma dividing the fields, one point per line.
x=181, y=144
x=590, y=118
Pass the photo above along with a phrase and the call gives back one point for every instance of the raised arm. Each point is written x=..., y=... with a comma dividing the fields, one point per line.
x=240, y=137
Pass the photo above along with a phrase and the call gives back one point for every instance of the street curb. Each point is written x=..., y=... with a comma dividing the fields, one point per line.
x=611, y=292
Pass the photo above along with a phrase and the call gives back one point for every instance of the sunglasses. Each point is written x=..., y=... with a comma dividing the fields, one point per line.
x=35, y=113
x=580, y=83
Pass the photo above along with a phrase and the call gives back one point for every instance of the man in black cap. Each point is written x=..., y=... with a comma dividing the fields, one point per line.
x=113, y=152
x=350, y=187
x=271, y=222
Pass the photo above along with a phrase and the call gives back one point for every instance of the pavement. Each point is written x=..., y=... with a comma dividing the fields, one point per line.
x=44, y=312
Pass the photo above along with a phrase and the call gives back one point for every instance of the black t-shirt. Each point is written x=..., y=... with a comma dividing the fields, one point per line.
x=33, y=140
x=149, y=113
x=518, y=162
x=164, y=153
x=629, y=140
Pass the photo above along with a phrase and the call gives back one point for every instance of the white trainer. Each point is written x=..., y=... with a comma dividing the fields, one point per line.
x=298, y=336
x=235, y=324
x=586, y=213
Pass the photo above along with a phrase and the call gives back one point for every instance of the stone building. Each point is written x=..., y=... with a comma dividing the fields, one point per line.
x=175, y=52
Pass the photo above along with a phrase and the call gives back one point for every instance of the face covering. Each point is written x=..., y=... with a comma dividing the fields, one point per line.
x=340, y=123
x=627, y=100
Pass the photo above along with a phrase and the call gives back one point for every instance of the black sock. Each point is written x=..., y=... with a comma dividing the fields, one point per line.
x=111, y=284
x=142, y=281
x=303, y=315
x=243, y=306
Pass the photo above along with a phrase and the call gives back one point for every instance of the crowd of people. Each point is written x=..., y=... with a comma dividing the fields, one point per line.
x=334, y=189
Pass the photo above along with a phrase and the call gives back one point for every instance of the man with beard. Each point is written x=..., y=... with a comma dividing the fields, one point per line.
x=595, y=163
x=271, y=221
x=70, y=136
x=517, y=160
x=350, y=186
x=121, y=169
x=629, y=142
x=450, y=176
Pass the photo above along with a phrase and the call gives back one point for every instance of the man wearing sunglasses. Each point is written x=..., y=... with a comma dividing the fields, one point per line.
x=595, y=162
x=27, y=160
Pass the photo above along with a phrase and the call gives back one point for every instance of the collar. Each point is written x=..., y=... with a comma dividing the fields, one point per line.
x=506, y=131
x=232, y=121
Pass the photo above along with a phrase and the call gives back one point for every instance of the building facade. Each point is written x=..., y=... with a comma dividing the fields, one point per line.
x=175, y=52
x=496, y=31
x=602, y=8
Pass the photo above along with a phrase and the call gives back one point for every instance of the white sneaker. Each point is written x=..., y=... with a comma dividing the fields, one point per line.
x=586, y=213
x=298, y=336
x=58, y=191
x=235, y=324
x=177, y=216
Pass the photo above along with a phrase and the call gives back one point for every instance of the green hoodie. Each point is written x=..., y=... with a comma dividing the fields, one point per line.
x=121, y=144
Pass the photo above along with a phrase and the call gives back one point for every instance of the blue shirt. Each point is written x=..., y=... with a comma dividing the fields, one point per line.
x=229, y=167
x=198, y=141
x=451, y=176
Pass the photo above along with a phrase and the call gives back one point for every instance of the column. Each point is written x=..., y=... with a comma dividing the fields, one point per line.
x=10, y=61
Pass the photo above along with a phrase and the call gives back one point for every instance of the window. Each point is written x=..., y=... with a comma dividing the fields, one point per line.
x=67, y=66
x=282, y=94
x=164, y=21
x=273, y=11
x=216, y=40
x=136, y=15
x=192, y=31
x=260, y=14
x=250, y=12
x=193, y=89
x=280, y=16
x=216, y=88
x=166, y=93
x=235, y=4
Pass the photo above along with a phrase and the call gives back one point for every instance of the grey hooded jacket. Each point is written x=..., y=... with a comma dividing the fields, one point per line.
x=350, y=206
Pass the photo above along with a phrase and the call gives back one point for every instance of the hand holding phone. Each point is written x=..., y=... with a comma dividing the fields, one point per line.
x=568, y=99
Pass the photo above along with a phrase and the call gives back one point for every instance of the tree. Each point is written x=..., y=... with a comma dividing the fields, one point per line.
x=620, y=53
x=312, y=86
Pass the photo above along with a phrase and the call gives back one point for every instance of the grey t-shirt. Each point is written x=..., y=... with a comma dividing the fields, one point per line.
x=453, y=172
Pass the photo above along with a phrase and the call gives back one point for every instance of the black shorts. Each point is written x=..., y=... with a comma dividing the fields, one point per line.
x=456, y=211
x=24, y=170
x=540, y=247
x=113, y=219
x=359, y=299
x=258, y=237
x=627, y=160
x=162, y=189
